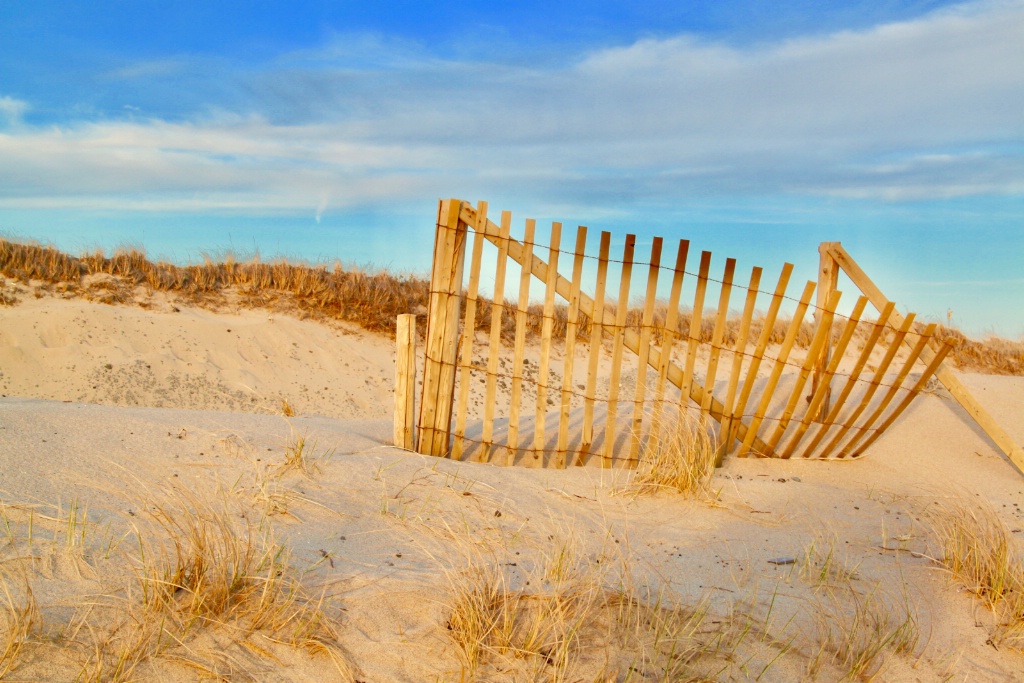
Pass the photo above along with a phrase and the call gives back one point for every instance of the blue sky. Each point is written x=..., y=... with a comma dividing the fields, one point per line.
x=328, y=130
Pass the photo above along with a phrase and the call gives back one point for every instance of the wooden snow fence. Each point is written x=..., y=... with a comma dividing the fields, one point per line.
x=602, y=374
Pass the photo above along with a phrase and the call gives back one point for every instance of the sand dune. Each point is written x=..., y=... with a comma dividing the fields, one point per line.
x=115, y=419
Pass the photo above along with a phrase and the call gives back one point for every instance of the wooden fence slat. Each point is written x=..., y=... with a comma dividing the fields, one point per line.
x=405, y=381
x=468, y=335
x=519, y=350
x=716, y=336
x=876, y=381
x=670, y=331
x=547, y=325
x=918, y=387
x=438, y=392
x=737, y=364
x=494, y=346
x=571, y=330
x=645, y=349
x=696, y=319
x=755, y=359
x=618, y=333
x=825, y=381
x=894, y=388
x=780, y=364
x=957, y=390
x=823, y=324
x=851, y=380
x=828, y=280
x=596, y=336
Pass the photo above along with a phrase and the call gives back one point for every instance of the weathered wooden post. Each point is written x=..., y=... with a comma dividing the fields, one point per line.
x=405, y=382
x=442, y=331
x=828, y=280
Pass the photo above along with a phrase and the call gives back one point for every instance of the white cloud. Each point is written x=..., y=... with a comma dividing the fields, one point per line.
x=927, y=108
x=12, y=109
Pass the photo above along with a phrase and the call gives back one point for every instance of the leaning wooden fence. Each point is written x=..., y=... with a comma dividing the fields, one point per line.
x=623, y=371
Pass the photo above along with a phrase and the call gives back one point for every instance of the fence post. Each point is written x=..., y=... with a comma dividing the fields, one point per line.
x=405, y=381
x=442, y=331
x=828, y=280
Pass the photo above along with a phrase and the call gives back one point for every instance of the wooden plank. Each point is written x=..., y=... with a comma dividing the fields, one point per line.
x=737, y=364
x=957, y=390
x=894, y=388
x=631, y=341
x=596, y=334
x=876, y=381
x=670, y=332
x=405, y=381
x=618, y=339
x=494, y=346
x=536, y=457
x=851, y=381
x=571, y=330
x=519, y=347
x=822, y=332
x=696, y=316
x=918, y=387
x=758, y=355
x=438, y=392
x=828, y=280
x=651, y=296
x=814, y=408
x=773, y=379
x=716, y=336
x=468, y=335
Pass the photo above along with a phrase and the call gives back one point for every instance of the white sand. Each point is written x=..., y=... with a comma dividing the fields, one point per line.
x=379, y=526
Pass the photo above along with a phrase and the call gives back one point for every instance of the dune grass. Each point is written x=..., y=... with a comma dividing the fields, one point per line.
x=857, y=623
x=191, y=570
x=678, y=455
x=20, y=619
x=370, y=300
x=974, y=544
x=567, y=617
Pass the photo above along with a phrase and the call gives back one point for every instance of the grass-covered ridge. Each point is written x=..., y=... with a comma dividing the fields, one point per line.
x=370, y=300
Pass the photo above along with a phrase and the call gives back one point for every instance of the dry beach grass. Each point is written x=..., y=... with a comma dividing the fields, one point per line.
x=370, y=300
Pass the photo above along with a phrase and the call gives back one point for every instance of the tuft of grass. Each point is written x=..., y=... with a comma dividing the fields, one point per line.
x=857, y=632
x=977, y=548
x=679, y=455
x=823, y=565
x=568, y=617
x=857, y=625
x=301, y=456
x=203, y=565
x=20, y=619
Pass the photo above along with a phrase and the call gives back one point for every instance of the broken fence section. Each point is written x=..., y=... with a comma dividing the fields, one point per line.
x=603, y=372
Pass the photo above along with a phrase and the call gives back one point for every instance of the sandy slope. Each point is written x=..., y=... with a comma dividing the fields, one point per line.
x=169, y=356
x=376, y=528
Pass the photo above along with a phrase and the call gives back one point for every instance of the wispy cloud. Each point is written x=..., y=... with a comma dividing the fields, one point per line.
x=928, y=108
x=12, y=110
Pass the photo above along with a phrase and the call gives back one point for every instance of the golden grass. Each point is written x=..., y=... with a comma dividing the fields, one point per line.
x=976, y=547
x=372, y=301
x=679, y=455
x=858, y=631
x=858, y=626
x=823, y=565
x=193, y=568
x=992, y=355
x=21, y=619
x=569, y=618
